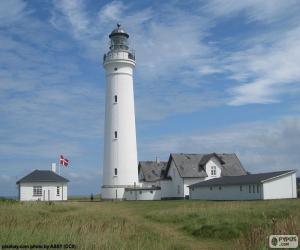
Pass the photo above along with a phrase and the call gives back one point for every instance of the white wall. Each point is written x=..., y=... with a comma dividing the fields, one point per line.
x=143, y=195
x=120, y=153
x=280, y=187
x=112, y=193
x=231, y=192
x=190, y=181
x=26, y=191
x=173, y=188
x=166, y=188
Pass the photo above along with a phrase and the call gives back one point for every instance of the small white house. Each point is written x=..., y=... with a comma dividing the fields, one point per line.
x=263, y=186
x=43, y=185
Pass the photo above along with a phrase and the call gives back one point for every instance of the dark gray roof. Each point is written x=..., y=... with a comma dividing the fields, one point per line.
x=207, y=157
x=243, y=179
x=188, y=165
x=42, y=176
x=118, y=31
x=152, y=170
x=191, y=165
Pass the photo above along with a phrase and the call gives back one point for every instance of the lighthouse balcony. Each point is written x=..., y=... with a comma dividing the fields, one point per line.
x=119, y=55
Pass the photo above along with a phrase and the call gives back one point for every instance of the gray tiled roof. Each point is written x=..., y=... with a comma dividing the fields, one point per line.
x=189, y=165
x=243, y=179
x=152, y=170
x=42, y=176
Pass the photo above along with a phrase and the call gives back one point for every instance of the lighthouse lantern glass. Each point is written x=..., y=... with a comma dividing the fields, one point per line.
x=119, y=42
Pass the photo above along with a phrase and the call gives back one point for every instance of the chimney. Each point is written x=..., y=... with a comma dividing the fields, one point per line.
x=53, y=167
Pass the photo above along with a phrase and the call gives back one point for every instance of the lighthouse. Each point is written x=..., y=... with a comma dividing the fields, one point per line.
x=120, y=151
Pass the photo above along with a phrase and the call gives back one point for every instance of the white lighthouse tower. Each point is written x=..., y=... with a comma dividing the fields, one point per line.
x=120, y=152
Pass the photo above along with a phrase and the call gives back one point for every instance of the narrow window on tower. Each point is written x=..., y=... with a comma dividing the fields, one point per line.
x=116, y=98
x=116, y=134
x=116, y=171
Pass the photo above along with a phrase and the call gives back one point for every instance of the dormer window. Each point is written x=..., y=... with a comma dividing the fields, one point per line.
x=213, y=171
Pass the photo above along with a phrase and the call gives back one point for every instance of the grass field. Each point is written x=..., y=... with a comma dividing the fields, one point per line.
x=149, y=225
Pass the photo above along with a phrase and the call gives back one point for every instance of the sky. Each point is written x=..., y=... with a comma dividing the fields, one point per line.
x=211, y=76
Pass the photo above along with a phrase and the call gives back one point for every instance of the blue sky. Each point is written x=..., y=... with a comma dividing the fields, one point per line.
x=211, y=76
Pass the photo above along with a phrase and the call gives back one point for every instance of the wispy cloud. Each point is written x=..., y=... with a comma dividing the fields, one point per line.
x=261, y=146
x=266, y=71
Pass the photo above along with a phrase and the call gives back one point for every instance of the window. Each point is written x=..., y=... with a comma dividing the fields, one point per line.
x=130, y=192
x=37, y=191
x=249, y=188
x=220, y=187
x=257, y=188
x=115, y=69
x=116, y=134
x=116, y=171
x=213, y=170
x=140, y=191
x=151, y=191
x=210, y=188
x=178, y=189
x=241, y=188
x=57, y=191
x=253, y=188
x=116, y=98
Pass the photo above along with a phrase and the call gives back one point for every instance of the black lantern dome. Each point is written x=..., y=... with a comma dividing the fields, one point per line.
x=118, y=39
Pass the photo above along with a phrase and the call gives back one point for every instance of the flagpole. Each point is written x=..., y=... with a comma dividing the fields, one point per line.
x=59, y=167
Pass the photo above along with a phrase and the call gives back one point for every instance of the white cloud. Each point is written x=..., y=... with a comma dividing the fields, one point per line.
x=74, y=14
x=111, y=12
x=261, y=146
x=266, y=71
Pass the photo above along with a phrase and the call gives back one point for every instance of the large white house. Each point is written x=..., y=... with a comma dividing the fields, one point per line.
x=170, y=180
x=43, y=185
x=263, y=186
x=208, y=177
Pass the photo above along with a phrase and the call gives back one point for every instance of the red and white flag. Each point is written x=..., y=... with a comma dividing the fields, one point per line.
x=63, y=161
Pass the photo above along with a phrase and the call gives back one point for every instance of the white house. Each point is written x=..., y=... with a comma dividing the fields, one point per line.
x=44, y=185
x=182, y=170
x=263, y=186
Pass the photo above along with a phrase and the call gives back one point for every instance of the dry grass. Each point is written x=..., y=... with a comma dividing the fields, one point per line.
x=148, y=225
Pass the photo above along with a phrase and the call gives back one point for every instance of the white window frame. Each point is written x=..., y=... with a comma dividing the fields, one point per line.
x=37, y=191
x=213, y=170
x=58, y=191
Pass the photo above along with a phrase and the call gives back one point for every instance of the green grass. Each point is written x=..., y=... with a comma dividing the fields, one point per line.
x=148, y=224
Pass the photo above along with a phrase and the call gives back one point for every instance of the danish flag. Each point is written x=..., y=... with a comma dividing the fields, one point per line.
x=63, y=161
